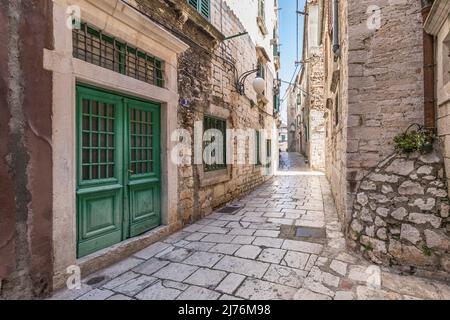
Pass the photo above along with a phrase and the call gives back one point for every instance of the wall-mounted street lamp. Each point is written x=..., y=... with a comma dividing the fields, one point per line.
x=259, y=84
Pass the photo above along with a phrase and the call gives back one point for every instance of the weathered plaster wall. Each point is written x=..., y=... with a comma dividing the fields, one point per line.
x=25, y=150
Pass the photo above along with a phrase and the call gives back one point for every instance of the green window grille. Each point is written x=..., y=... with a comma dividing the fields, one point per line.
x=98, y=140
x=258, y=148
x=202, y=6
x=211, y=123
x=141, y=140
x=91, y=45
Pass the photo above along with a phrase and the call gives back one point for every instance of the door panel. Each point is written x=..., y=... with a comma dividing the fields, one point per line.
x=144, y=166
x=99, y=220
x=100, y=184
x=118, y=178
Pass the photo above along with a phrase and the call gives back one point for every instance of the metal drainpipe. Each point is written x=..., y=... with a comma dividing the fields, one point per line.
x=429, y=71
x=336, y=43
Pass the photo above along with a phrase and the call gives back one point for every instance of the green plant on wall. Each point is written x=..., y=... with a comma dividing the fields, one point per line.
x=426, y=251
x=420, y=140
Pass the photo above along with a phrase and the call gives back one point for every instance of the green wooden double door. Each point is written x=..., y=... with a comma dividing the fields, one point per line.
x=118, y=176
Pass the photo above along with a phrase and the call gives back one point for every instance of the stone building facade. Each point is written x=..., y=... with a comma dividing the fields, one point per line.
x=377, y=85
x=309, y=108
x=293, y=120
x=74, y=106
x=374, y=91
x=438, y=26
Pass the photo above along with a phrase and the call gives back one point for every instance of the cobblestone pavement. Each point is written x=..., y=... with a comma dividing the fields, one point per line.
x=255, y=254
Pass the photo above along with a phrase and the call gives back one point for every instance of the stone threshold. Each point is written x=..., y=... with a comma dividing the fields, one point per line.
x=112, y=255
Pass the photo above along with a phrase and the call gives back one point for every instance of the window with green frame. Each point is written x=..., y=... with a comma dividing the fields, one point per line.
x=93, y=46
x=261, y=70
x=202, y=6
x=276, y=103
x=261, y=8
x=257, y=148
x=211, y=123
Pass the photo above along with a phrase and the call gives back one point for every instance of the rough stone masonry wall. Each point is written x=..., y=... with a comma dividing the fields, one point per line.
x=207, y=83
x=385, y=83
x=401, y=215
x=25, y=150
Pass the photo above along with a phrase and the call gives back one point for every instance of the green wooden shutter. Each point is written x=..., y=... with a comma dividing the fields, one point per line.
x=202, y=6
x=193, y=3
x=205, y=8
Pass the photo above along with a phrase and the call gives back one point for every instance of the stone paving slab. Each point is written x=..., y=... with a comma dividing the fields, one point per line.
x=243, y=256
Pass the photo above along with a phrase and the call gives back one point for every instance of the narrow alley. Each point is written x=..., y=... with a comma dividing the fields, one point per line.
x=284, y=243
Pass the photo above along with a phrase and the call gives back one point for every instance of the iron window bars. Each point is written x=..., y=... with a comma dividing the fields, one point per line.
x=91, y=45
x=221, y=125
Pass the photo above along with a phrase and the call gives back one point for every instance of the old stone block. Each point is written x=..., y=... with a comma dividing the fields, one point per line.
x=203, y=259
x=254, y=289
x=285, y=275
x=427, y=205
x=420, y=218
x=399, y=214
x=425, y=170
x=248, y=252
x=383, y=211
x=159, y=292
x=408, y=188
x=242, y=266
x=437, y=240
x=401, y=167
x=206, y=278
x=430, y=158
x=230, y=283
x=198, y=293
x=362, y=199
x=410, y=233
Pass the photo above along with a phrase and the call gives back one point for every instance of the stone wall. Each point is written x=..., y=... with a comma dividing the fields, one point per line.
x=400, y=216
x=25, y=150
x=207, y=82
x=336, y=89
x=380, y=96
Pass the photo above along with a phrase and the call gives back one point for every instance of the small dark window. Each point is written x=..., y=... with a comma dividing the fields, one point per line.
x=336, y=110
x=258, y=148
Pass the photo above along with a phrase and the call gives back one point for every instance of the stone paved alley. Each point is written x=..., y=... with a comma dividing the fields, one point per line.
x=255, y=254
